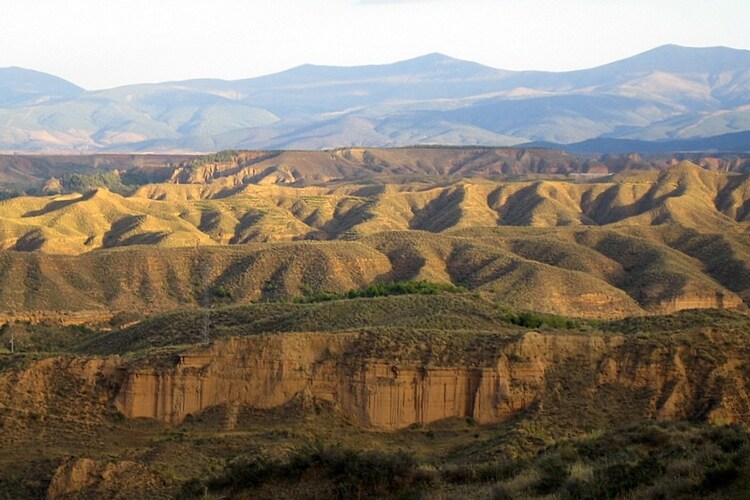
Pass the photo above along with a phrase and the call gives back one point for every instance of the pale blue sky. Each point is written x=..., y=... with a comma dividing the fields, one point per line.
x=104, y=43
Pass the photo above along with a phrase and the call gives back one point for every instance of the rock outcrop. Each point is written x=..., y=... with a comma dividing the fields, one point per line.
x=264, y=372
x=706, y=300
x=557, y=374
x=87, y=478
x=270, y=371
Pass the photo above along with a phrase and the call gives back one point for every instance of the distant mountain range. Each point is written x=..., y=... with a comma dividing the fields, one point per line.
x=737, y=142
x=668, y=99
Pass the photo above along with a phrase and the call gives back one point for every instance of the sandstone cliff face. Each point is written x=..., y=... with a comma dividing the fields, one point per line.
x=553, y=373
x=705, y=300
x=263, y=372
x=269, y=371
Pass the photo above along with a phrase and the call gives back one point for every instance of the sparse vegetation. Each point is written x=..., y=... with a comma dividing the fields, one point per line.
x=346, y=473
x=558, y=450
x=648, y=460
x=380, y=290
x=46, y=337
x=455, y=316
x=443, y=314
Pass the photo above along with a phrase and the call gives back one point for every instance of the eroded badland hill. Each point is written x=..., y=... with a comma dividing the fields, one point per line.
x=446, y=323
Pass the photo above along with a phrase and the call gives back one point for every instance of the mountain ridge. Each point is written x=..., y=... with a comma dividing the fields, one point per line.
x=732, y=142
x=21, y=86
x=667, y=93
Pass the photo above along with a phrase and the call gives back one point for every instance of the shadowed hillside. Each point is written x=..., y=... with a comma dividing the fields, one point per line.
x=634, y=242
x=647, y=242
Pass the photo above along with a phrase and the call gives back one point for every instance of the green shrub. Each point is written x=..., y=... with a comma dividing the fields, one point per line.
x=652, y=435
x=354, y=474
x=719, y=476
x=245, y=473
x=380, y=290
x=195, y=488
x=553, y=472
x=501, y=492
x=619, y=478
x=221, y=292
x=500, y=470
x=459, y=474
x=530, y=319
x=729, y=438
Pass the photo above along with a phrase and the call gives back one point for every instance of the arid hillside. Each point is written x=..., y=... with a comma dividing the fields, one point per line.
x=54, y=174
x=636, y=242
x=304, y=168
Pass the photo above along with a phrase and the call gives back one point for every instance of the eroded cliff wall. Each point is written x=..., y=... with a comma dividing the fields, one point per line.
x=673, y=381
x=704, y=375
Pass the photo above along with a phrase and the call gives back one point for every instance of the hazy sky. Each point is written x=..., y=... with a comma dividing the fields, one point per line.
x=105, y=43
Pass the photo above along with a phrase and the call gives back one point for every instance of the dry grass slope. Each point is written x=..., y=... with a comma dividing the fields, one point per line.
x=637, y=243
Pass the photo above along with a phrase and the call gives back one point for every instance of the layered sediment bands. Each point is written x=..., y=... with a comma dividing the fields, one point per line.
x=264, y=372
x=704, y=300
x=530, y=372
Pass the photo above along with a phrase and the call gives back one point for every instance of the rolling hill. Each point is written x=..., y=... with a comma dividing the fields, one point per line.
x=637, y=242
x=668, y=93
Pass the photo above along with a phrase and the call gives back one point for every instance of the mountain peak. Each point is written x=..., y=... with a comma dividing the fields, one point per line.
x=432, y=66
x=15, y=75
x=680, y=59
x=434, y=57
x=20, y=86
x=438, y=64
